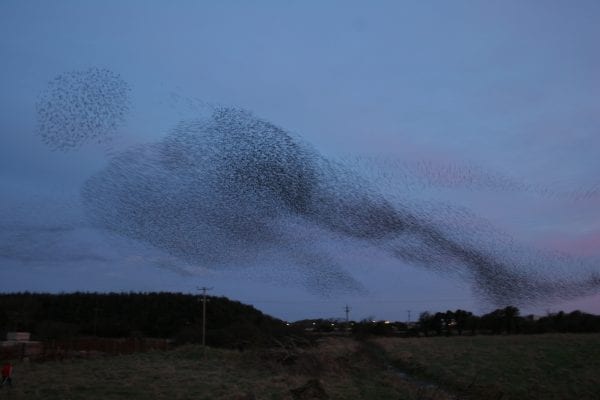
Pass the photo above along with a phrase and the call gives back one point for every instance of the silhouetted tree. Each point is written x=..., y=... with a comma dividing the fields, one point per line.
x=462, y=319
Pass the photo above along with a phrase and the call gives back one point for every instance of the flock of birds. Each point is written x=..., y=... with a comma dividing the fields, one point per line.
x=82, y=106
x=233, y=189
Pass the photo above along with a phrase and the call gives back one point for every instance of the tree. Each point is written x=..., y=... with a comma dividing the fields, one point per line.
x=462, y=319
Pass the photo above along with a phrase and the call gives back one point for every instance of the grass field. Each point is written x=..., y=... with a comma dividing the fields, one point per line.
x=514, y=367
x=552, y=366
x=344, y=370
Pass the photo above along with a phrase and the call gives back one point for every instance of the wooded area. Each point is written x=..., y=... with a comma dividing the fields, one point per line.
x=178, y=317
x=174, y=316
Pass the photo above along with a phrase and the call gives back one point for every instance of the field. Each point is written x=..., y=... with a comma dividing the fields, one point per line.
x=552, y=366
x=482, y=367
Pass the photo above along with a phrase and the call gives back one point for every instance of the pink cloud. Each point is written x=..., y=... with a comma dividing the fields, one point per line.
x=583, y=244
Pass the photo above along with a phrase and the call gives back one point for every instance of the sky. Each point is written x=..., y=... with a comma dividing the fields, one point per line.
x=480, y=120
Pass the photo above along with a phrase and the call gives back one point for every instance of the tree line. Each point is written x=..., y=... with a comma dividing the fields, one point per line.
x=173, y=316
x=506, y=320
x=178, y=317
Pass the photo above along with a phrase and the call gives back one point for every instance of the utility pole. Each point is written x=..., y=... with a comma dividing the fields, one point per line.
x=96, y=309
x=347, y=310
x=408, y=312
x=204, y=289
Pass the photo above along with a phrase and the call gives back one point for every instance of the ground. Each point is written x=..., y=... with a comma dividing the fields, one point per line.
x=481, y=367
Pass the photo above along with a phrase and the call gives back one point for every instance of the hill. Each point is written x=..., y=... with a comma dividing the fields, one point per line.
x=174, y=316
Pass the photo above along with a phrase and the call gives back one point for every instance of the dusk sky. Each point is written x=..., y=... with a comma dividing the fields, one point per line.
x=480, y=120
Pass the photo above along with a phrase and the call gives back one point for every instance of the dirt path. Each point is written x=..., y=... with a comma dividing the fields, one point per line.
x=429, y=389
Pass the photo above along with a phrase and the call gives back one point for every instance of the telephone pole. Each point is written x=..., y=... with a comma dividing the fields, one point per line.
x=408, y=312
x=347, y=310
x=204, y=289
x=96, y=309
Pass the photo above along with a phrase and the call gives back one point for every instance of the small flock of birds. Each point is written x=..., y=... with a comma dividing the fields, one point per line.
x=82, y=106
x=233, y=190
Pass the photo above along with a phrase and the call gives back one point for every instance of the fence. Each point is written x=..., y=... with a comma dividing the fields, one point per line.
x=80, y=347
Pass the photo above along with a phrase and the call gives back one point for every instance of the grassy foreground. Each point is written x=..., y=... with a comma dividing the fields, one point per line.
x=552, y=366
x=342, y=367
x=482, y=367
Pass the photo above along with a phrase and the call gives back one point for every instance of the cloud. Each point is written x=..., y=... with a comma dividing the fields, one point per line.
x=47, y=244
x=582, y=244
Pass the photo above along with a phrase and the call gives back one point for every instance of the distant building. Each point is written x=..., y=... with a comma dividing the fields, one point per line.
x=18, y=336
x=19, y=345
